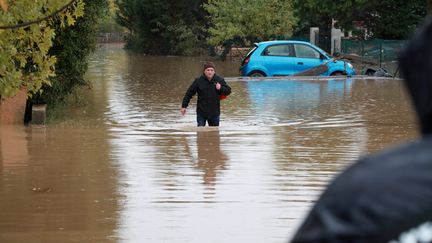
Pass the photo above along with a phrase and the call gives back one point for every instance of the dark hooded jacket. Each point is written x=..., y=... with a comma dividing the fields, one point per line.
x=386, y=197
x=208, y=104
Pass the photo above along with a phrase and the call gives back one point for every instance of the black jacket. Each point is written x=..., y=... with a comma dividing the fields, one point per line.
x=376, y=200
x=386, y=197
x=208, y=104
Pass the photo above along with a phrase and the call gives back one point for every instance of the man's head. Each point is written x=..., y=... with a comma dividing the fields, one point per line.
x=209, y=70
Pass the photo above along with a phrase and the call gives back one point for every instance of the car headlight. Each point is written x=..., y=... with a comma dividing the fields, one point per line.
x=349, y=65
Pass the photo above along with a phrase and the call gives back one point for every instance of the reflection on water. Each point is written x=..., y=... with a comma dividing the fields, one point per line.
x=287, y=101
x=209, y=158
x=56, y=185
x=14, y=151
x=129, y=168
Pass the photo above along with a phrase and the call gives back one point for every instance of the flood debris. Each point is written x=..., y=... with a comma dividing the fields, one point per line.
x=41, y=189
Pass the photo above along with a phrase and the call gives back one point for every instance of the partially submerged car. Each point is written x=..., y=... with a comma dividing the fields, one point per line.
x=284, y=58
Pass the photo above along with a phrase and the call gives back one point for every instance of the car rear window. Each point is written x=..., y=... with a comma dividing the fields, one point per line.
x=278, y=50
x=251, y=51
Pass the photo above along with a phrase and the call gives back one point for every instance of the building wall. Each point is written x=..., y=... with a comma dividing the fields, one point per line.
x=12, y=109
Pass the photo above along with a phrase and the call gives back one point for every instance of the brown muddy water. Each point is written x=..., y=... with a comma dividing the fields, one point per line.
x=127, y=167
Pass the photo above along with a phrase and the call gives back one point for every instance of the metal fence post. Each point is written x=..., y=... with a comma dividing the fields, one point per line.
x=381, y=53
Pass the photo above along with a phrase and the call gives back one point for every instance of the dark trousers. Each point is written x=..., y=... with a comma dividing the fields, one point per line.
x=212, y=121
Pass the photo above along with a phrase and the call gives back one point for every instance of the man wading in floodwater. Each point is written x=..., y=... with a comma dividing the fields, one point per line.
x=211, y=88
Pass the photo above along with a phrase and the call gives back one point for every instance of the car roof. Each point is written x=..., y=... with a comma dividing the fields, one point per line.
x=267, y=43
x=281, y=42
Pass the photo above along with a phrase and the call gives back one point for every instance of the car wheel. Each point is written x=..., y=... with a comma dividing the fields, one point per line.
x=256, y=74
x=370, y=72
x=337, y=74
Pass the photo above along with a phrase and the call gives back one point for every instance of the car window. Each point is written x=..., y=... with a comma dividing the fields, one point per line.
x=305, y=51
x=251, y=51
x=278, y=50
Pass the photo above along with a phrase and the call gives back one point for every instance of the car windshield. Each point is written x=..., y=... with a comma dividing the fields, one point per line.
x=322, y=51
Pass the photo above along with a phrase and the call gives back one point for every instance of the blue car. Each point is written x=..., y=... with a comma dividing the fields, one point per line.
x=284, y=58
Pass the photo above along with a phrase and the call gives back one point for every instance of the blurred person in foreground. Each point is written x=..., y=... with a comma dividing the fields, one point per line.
x=385, y=197
x=211, y=88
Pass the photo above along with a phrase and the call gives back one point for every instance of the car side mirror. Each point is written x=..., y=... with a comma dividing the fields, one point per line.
x=322, y=57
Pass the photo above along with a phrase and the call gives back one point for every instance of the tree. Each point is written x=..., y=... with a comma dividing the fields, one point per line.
x=162, y=26
x=108, y=24
x=72, y=47
x=249, y=21
x=24, y=48
x=386, y=19
x=316, y=13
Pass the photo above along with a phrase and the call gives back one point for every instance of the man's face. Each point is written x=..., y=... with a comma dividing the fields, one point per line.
x=209, y=73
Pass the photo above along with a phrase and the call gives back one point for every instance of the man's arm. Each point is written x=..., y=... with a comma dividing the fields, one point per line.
x=192, y=90
x=225, y=88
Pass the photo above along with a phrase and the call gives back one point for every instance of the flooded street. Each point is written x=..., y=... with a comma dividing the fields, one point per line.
x=127, y=167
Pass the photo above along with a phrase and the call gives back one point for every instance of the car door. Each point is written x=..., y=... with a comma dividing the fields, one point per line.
x=278, y=59
x=306, y=57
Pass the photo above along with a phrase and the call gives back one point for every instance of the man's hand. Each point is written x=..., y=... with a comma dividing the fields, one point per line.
x=218, y=86
x=183, y=111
